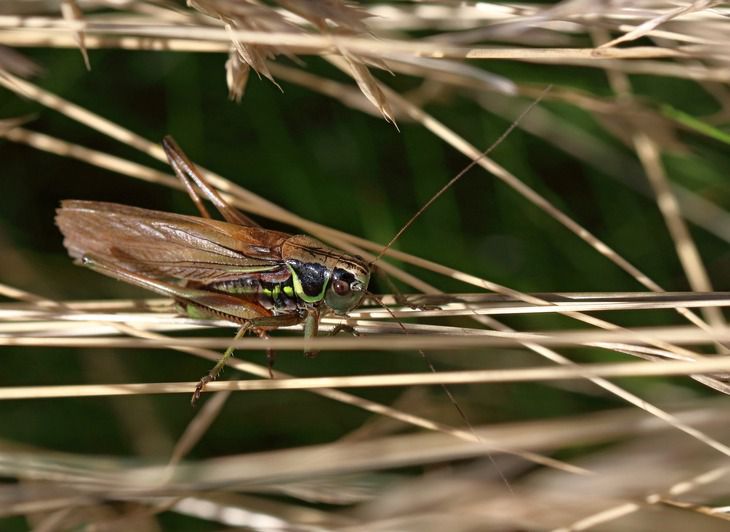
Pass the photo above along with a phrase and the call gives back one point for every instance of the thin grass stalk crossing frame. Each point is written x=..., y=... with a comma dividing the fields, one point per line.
x=443, y=57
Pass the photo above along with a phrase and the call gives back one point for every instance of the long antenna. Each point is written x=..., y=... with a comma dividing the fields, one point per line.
x=458, y=176
x=446, y=390
x=410, y=222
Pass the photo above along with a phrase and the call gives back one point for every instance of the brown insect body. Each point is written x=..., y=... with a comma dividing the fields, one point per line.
x=232, y=269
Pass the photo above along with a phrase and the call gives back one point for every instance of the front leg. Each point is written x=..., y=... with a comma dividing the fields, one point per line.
x=343, y=327
x=405, y=301
x=311, y=326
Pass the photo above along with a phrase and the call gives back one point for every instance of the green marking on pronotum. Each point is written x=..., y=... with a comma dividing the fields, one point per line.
x=288, y=290
x=299, y=289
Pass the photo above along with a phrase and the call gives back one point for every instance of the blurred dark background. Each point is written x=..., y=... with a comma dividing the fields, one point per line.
x=354, y=172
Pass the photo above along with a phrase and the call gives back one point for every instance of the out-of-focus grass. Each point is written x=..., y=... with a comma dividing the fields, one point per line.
x=355, y=172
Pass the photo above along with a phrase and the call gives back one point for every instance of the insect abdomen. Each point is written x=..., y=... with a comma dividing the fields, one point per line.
x=277, y=296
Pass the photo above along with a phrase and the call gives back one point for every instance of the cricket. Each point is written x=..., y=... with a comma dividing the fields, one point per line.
x=233, y=269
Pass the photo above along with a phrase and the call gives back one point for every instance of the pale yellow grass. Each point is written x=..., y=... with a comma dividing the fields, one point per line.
x=340, y=471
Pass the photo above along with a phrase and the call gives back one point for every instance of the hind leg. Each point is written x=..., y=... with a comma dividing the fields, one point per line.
x=213, y=373
x=261, y=327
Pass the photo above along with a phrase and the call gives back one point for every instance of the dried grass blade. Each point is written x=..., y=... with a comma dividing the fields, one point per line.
x=336, y=395
x=72, y=12
x=369, y=86
x=648, y=26
x=572, y=371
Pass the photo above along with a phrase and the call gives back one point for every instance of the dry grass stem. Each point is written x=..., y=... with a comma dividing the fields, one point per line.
x=638, y=92
x=632, y=369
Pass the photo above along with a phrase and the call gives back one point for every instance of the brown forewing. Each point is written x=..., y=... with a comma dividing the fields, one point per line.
x=167, y=244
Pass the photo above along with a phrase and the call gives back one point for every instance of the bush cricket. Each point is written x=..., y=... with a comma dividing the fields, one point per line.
x=233, y=269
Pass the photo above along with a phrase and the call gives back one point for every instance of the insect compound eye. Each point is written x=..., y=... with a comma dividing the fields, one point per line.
x=341, y=288
x=344, y=292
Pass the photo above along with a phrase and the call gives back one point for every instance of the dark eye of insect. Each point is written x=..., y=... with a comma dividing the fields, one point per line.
x=342, y=288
